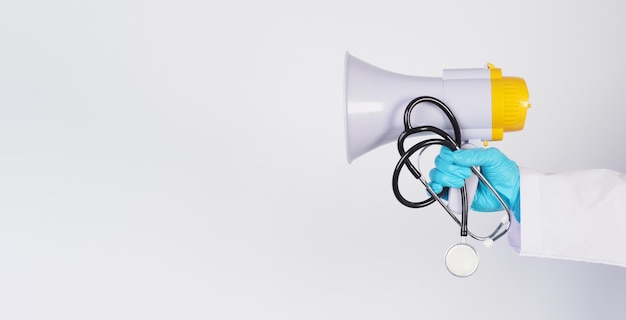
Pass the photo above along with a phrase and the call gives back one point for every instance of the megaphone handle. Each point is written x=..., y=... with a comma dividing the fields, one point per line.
x=471, y=184
x=454, y=194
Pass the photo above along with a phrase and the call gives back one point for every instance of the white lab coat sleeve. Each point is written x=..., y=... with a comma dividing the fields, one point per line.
x=576, y=216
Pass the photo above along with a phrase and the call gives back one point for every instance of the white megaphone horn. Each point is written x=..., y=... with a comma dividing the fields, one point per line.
x=485, y=103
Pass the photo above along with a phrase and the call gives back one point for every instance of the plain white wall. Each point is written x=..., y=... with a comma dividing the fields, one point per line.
x=185, y=159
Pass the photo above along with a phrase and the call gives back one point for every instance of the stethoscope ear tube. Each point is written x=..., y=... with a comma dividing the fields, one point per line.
x=404, y=161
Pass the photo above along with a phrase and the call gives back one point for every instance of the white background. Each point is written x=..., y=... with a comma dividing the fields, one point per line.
x=185, y=159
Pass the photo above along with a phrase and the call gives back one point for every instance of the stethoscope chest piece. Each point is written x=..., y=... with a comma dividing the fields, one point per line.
x=462, y=260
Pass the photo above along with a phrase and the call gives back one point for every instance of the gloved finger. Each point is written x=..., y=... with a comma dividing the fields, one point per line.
x=444, y=163
x=446, y=179
x=445, y=153
x=478, y=157
x=436, y=187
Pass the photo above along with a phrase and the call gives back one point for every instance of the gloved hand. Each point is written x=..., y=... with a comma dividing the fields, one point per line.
x=452, y=168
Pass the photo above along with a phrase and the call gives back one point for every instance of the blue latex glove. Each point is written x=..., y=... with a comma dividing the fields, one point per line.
x=452, y=168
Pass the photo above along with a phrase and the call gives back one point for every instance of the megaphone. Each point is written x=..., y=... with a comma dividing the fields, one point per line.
x=485, y=103
x=463, y=106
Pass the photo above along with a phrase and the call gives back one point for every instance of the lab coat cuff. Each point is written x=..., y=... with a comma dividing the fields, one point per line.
x=515, y=236
x=530, y=210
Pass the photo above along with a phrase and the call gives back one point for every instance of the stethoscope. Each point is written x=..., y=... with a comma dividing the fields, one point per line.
x=461, y=259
